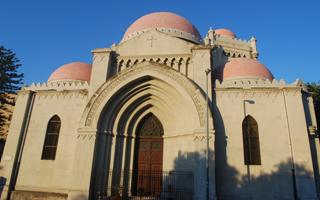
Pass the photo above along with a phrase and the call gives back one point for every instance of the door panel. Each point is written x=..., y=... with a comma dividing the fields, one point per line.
x=149, y=157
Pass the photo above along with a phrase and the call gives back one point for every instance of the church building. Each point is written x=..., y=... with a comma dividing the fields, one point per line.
x=164, y=114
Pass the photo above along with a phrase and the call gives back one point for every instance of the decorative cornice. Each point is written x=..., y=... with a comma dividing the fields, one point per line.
x=201, y=47
x=58, y=86
x=169, y=31
x=257, y=84
x=163, y=56
x=228, y=39
x=101, y=50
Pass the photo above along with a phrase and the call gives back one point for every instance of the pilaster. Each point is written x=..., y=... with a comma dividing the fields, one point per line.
x=201, y=60
x=102, y=68
x=200, y=172
x=13, y=140
x=82, y=168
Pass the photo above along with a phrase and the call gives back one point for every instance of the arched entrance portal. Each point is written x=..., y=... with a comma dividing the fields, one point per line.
x=143, y=106
x=148, y=158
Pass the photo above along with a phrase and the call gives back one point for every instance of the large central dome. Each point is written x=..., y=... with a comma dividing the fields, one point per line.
x=167, y=22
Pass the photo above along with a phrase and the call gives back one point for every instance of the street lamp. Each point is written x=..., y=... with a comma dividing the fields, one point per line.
x=207, y=130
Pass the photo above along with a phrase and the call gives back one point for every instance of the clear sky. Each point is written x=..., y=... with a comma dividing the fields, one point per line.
x=46, y=34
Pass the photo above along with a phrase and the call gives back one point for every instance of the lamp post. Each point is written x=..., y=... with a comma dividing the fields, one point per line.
x=207, y=130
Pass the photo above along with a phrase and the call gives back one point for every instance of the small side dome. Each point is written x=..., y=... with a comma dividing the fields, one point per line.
x=225, y=33
x=243, y=68
x=75, y=71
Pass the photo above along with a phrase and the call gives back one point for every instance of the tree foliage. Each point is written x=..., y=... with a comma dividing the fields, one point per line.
x=314, y=88
x=10, y=82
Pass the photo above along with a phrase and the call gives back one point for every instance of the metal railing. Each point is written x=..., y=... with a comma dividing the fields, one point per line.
x=148, y=185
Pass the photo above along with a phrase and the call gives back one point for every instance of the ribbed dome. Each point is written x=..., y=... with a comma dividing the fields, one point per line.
x=238, y=68
x=225, y=32
x=72, y=71
x=165, y=22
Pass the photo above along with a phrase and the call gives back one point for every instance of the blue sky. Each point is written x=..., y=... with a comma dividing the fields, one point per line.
x=48, y=34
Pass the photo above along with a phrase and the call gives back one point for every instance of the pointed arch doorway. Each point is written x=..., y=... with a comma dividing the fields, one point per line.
x=148, y=157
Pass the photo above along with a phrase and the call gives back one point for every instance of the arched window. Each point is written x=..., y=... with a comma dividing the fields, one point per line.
x=51, y=139
x=251, y=144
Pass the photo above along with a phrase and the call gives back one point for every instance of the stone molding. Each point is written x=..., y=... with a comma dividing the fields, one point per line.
x=58, y=86
x=108, y=87
x=235, y=39
x=86, y=136
x=169, y=31
x=202, y=138
x=154, y=57
x=101, y=50
x=247, y=83
x=236, y=53
x=257, y=88
x=196, y=136
x=179, y=62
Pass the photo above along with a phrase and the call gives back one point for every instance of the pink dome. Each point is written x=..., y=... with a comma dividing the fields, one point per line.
x=72, y=71
x=162, y=20
x=243, y=68
x=225, y=32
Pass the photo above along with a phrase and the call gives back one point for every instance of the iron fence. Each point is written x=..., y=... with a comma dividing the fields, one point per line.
x=146, y=185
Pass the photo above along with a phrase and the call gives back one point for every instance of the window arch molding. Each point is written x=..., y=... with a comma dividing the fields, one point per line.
x=251, y=142
x=51, y=139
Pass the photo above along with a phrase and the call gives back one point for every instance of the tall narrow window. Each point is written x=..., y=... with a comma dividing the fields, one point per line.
x=51, y=139
x=251, y=144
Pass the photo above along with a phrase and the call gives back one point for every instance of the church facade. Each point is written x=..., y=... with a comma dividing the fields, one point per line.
x=164, y=114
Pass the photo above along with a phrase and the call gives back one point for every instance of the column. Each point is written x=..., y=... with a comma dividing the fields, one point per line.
x=111, y=157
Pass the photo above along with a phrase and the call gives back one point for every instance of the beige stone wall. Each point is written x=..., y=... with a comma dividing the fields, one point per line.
x=282, y=128
x=67, y=100
x=51, y=175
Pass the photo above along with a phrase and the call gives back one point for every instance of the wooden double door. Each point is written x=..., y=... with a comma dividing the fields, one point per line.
x=148, y=157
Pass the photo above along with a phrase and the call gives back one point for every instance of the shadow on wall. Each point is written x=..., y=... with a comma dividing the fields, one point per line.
x=196, y=162
x=242, y=181
x=231, y=184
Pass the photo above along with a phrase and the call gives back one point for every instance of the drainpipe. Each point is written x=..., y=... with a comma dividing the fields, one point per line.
x=207, y=131
x=21, y=142
x=293, y=170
